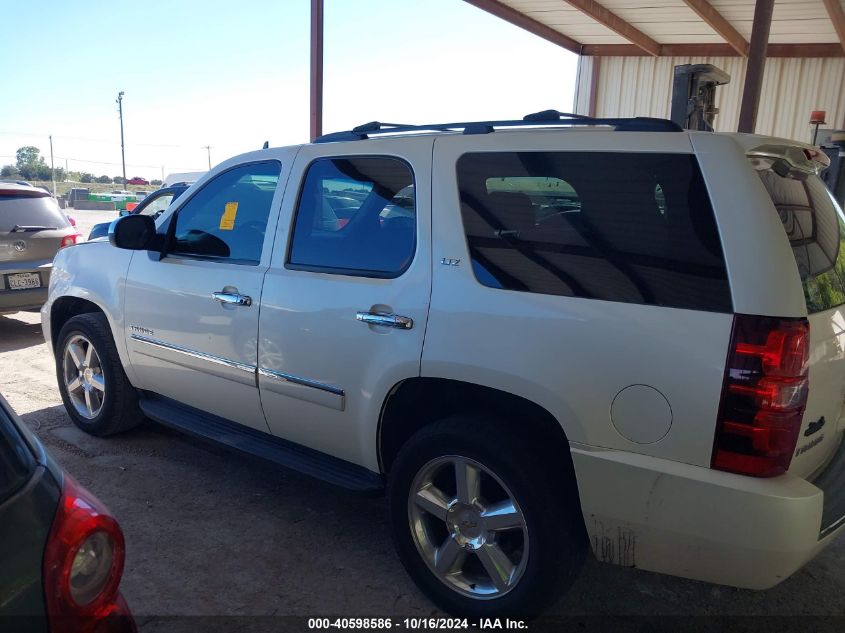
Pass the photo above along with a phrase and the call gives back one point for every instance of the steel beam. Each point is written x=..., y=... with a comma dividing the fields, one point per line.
x=756, y=65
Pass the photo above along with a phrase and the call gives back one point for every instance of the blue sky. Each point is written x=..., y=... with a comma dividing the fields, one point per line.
x=234, y=74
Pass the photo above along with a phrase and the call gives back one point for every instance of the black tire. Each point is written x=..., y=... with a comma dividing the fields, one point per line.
x=119, y=411
x=537, y=481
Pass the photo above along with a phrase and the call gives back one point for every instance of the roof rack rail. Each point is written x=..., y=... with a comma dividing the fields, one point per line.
x=545, y=118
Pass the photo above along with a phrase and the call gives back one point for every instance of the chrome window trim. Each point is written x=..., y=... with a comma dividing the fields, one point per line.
x=226, y=362
x=306, y=382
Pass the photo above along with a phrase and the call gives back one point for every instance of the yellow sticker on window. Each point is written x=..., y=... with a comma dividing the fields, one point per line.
x=227, y=220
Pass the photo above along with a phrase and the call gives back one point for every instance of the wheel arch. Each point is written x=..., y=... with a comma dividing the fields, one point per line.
x=415, y=403
x=64, y=309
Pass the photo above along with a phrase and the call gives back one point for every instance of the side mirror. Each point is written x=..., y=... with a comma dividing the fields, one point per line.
x=135, y=233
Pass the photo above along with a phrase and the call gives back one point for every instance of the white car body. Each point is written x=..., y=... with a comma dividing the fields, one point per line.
x=648, y=494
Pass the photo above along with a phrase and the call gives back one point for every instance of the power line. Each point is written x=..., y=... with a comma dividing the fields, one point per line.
x=101, y=162
x=93, y=140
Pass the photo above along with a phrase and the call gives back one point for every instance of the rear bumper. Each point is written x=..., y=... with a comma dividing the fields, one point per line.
x=15, y=300
x=700, y=523
x=831, y=481
x=31, y=299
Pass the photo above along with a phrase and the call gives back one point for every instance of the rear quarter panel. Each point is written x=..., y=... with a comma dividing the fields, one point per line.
x=25, y=521
x=761, y=267
x=571, y=356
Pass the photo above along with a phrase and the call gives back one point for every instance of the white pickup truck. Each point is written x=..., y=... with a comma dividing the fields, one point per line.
x=541, y=338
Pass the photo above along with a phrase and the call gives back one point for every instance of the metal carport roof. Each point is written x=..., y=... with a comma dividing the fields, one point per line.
x=753, y=29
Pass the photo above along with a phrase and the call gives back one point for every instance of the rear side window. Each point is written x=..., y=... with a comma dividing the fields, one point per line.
x=18, y=210
x=814, y=225
x=356, y=216
x=629, y=227
x=16, y=460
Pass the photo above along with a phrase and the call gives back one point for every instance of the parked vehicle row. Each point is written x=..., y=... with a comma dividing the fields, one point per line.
x=153, y=205
x=537, y=339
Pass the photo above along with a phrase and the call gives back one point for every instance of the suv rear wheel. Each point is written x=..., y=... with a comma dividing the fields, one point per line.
x=480, y=520
x=94, y=388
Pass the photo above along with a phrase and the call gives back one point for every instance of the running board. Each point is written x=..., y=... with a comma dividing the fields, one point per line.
x=266, y=447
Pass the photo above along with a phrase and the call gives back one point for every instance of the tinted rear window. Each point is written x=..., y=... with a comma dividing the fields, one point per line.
x=16, y=460
x=29, y=211
x=814, y=225
x=629, y=227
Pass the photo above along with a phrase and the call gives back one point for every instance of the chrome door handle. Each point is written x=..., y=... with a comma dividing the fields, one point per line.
x=230, y=298
x=385, y=320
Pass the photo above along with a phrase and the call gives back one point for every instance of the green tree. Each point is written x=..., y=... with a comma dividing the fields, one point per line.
x=105, y=180
x=28, y=155
x=31, y=164
x=155, y=182
x=40, y=171
x=86, y=177
x=9, y=171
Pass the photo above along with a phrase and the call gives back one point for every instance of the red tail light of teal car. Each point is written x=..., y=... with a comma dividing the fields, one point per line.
x=83, y=564
x=763, y=396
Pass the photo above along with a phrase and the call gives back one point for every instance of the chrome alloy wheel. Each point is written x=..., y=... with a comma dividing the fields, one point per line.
x=83, y=375
x=468, y=527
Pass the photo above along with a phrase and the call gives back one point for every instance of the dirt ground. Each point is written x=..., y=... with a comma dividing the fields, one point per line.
x=210, y=533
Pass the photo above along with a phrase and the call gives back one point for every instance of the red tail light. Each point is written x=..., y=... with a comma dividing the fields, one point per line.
x=763, y=397
x=83, y=564
x=69, y=240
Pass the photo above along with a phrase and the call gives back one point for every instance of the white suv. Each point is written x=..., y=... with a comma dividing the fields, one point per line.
x=540, y=337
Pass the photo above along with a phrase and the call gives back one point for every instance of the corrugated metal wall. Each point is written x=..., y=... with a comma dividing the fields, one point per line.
x=642, y=86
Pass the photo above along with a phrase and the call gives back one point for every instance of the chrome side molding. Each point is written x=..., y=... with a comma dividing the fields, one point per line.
x=218, y=360
x=297, y=380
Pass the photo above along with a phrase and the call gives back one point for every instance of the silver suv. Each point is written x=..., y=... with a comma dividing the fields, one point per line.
x=32, y=230
x=540, y=338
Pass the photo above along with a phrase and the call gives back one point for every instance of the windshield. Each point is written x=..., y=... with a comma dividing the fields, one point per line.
x=17, y=210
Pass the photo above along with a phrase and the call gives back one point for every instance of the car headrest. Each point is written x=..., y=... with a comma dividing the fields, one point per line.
x=514, y=211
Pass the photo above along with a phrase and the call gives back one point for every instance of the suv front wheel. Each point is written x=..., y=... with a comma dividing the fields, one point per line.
x=481, y=521
x=95, y=390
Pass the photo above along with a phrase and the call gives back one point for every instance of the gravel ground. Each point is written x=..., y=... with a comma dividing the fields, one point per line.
x=210, y=533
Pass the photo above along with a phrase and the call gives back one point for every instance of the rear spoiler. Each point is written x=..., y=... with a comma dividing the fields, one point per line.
x=28, y=192
x=789, y=160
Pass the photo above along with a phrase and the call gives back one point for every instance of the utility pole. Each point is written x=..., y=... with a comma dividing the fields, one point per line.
x=208, y=148
x=52, y=166
x=316, y=68
x=122, y=152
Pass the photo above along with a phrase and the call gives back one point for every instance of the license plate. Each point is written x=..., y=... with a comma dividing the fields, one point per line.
x=22, y=281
